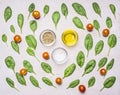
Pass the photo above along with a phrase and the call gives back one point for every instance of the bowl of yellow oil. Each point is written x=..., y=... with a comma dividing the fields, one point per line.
x=69, y=37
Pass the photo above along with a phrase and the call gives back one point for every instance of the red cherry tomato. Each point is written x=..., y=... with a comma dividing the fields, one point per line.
x=36, y=14
x=105, y=32
x=103, y=72
x=23, y=71
x=89, y=27
x=82, y=88
x=58, y=81
x=45, y=55
x=17, y=38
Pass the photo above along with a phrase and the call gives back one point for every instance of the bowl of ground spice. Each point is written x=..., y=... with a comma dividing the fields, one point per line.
x=47, y=37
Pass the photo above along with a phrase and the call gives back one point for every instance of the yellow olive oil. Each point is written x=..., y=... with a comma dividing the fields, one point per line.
x=69, y=37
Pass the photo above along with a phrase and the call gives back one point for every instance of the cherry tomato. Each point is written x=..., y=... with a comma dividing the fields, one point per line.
x=36, y=14
x=103, y=72
x=82, y=88
x=45, y=55
x=17, y=38
x=58, y=80
x=105, y=32
x=89, y=27
x=23, y=71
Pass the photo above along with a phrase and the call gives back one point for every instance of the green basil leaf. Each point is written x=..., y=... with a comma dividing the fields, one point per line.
x=12, y=29
x=11, y=83
x=112, y=41
x=28, y=66
x=33, y=25
x=97, y=26
x=20, y=21
x=69, y=70
x=20, y=79
x=4, y=38
x=99, y=47
x=7, y=13
x=47, y=81
x=79, y=9
x=78, y=23
x=88, y=42
x=73, y=84
x=46, y=67
x=91, y=81
x=56, y=18
x=64, y=9
x=102, y=62
x=10, y=63
x=109, y=22
x=110, y=65
x=96, y=8
x=89, y=67
x=30, y=51
x=15, y=47
x=113, y=9
x=31, y=8
x=34, y=81
x=80, y=58
x=109, y=82
x=46, y=10
x=31, y=41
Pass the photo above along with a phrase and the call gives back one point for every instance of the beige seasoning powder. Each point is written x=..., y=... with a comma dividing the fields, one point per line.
x=48, y=37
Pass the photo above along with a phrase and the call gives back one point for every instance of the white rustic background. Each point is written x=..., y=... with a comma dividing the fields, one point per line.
x=21, y=6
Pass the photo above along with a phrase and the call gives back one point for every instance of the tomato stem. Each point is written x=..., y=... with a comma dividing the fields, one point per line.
x=7, y=44
x=109, y=51
x=83, y=74
x=18, y=52
x=65, y=17
x=63, y=77
x=44, y=15
x=14, y=71
x=101, y=89
x=16, y=89
x=86, y=17
x=39, y=87
x=28, y=16
x=87, y=53
x=34, y=72
x=98, y=69
x=99, y=33
x=100, y=15
x=83, y=28
x=37, y=59
x=52, y=73
x=56, y=27
x=115, y=16
x=67, y=88
x=54, y=86
x=21, y=30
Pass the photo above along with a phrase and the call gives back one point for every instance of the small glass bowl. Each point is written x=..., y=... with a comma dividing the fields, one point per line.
x=47, y=37
x=59, y=55
x=69, y=37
